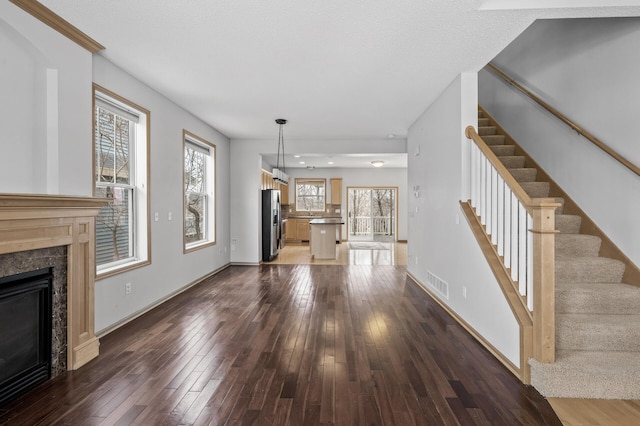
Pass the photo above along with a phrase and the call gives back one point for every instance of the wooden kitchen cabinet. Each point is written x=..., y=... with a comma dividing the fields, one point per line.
x=336, y=191
x=284, y=194
x=302, y=229
x=292, y=233
x=298, y=229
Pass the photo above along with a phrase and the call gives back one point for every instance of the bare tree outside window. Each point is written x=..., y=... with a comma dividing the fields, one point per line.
x=121, y=166
x=113, y=224
x=383, y=208
x=195, y=194
x=310, y=195
x=359, y=211
x=371, y=212
x=199, y=192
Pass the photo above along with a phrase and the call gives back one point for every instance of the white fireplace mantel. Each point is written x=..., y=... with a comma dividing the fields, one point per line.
x=30, y=222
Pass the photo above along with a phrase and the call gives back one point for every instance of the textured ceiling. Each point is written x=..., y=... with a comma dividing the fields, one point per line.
x=334, y=68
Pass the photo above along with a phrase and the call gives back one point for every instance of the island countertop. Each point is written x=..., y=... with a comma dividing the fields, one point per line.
x=327, y=221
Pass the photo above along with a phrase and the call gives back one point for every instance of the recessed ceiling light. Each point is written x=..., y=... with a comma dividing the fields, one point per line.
x=302, y=162
x=296, y=156
x=391, y=135
x=330, y=162
x=377, y=163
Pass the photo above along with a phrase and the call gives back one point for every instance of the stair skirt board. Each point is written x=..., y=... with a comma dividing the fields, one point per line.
x=597, y=315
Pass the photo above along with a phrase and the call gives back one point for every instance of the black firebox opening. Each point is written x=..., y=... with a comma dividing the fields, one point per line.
x=25, y=332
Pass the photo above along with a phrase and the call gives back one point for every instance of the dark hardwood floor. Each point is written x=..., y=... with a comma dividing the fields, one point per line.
x=289, y=344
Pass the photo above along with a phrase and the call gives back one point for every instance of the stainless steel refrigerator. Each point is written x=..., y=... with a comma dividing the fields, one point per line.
x=271, y=224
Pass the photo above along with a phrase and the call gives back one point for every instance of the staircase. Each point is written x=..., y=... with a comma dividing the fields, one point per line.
x=597, y=316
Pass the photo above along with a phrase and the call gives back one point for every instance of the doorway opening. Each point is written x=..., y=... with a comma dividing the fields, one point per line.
x=372, y=213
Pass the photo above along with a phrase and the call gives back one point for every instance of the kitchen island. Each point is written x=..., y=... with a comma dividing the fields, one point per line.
x=322, y=241
x=299, y=230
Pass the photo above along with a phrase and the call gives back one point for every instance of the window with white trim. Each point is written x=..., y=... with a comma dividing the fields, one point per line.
x=310, y=195
x=199, y=192
x=120, y=174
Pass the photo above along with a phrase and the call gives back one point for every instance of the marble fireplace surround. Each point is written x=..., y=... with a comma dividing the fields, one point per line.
x=31, y=222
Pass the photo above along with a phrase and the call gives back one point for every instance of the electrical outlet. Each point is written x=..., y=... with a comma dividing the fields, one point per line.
x=156, y=216
x=127, y=288
x=234, y=244
x=169, y=216
x=219, y=251
x=464, y=292
x=416, y=259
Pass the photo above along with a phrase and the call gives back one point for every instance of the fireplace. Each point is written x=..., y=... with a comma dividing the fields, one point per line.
x=58, y=232
x=25, y=327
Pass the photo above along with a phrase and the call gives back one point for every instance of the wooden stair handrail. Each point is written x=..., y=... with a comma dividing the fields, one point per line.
x=470, y=132
x=542, y=211
x=603, y=146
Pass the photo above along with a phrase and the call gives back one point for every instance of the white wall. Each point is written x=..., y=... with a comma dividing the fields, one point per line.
x=45, y=113
x=170, y=268
x=46, y=146
x=360, y=177
x=246, y=162
x=588, y=69
x=440, y=239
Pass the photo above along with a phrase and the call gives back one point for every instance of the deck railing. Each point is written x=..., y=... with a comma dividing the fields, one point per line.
x=365, y=225
x=522, y=233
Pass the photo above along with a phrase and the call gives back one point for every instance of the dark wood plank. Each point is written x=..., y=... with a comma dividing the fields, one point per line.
x=289, y=344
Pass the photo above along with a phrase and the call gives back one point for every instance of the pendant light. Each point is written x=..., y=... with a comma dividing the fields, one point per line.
x=280, y=175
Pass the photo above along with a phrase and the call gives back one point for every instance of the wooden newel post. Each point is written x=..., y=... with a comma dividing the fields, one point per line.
x=544, y=303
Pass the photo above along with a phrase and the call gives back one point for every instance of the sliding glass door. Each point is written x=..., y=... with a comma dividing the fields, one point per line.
x=371, y=213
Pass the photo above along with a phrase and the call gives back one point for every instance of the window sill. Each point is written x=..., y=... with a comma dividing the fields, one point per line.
x=108, y=272
x=198, y=246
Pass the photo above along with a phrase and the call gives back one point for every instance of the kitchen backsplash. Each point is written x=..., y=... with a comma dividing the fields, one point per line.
x=330, y=210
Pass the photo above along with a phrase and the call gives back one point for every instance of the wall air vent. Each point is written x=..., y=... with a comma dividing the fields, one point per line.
x=440, y=286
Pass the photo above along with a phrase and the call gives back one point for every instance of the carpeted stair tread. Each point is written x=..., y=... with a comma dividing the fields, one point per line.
x=597, y=298
x=493, y=139
x=512, y=161
x=560, y=209
x=575, y=245
x=524, y=174
x=503, y=150
x=486, y=130
x=588, y=269
x=536, y=189
x=598, y=332
x=480, y=114
x=568, y=223
x=597, y=316
x=589, y=375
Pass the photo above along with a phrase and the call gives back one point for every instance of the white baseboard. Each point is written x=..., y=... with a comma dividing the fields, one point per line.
x=484, y=342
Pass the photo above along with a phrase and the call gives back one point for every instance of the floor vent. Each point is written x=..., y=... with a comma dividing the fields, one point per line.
x=438, y=285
